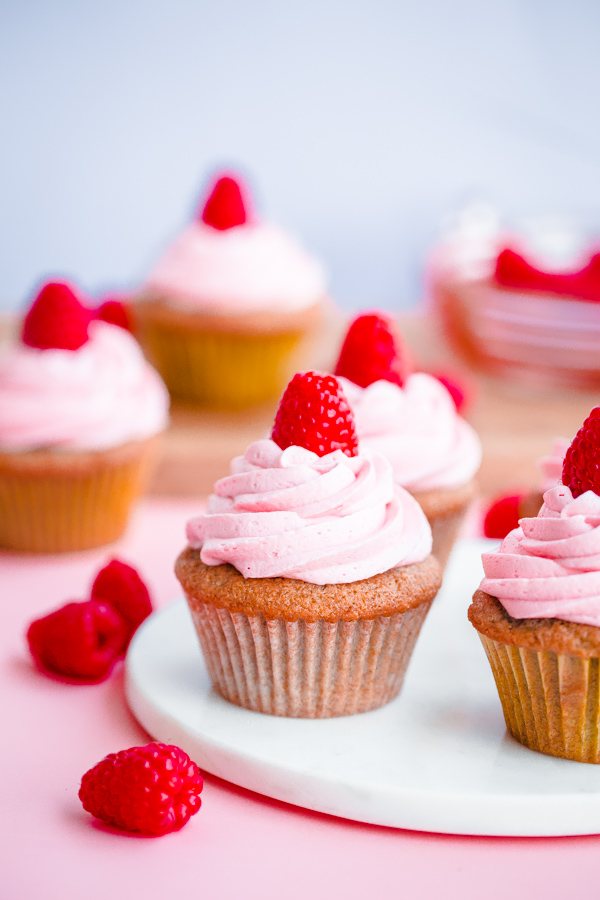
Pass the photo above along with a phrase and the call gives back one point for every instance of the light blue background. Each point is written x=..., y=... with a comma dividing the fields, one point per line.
x=359, y=125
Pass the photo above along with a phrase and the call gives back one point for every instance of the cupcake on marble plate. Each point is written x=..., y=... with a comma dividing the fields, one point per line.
x=537, y=612
x=227, y=310
x=309, y=576
x=412, y=420
x=80, y=415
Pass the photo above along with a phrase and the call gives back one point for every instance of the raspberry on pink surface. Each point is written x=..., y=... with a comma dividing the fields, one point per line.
x=581, y=467
x=151, y=790
x=56, y=320
x=121, y=586
x=314, y=414
x=225, y=207
x=82, y=641
x=373, y=350
x=502, y=516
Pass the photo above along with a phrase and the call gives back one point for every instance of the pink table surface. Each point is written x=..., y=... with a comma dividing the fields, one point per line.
x=240, y=845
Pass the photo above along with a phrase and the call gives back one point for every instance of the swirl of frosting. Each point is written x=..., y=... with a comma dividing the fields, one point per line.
x=99, y=396
x=549, y=567
x=418, y=429
x=325, y=520
x=251, y=267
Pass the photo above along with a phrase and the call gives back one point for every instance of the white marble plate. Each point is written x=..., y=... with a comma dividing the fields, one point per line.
x=436, y=759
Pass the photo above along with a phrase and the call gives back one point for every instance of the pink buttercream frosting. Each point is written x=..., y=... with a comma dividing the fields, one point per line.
x=418, y=429
x=325, y=520
x=549, y=567
x=551, y=466
x=99, y=396
x=255, y=266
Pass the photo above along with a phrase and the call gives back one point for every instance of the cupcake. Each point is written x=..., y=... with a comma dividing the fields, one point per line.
x=412, y=420
x=537, y=612
x=80, y=415
x=226, y=310
x=309, y=576
x=520, y=304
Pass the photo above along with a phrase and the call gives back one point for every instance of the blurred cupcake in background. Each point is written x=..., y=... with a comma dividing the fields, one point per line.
x=522, y=304
x=412, y=420
x=225, y=312
x=80, y=415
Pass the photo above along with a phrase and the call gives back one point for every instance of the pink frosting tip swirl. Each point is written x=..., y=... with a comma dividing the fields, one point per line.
x=325, y=520
x=418, y=429
x=549, y=567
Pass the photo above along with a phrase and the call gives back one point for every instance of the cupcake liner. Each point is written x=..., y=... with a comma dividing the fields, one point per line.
x=306, y=669
x=551, y=701
x=219, y=369
x=55, y=502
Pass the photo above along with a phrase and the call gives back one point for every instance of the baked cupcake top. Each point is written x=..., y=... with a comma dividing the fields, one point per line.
x=323, y=513
x=549, y=567
x=228, y=261
x=75, y=384
x=410, y=419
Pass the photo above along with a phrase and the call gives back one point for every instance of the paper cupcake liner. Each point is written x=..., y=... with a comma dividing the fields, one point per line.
x=69, y=503
x=222, y=370
x=444, y=532
x=551, y=702
x=306, y=669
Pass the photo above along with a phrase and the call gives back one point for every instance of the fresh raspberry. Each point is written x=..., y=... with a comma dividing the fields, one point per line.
x=56, y=320
x=79, y=640
x=314, y=413
x=225, y=206
x=121, y=586
x=581, y=468
x=373, y=350
x=115, y=312
x=152, y=789
x=502, y=516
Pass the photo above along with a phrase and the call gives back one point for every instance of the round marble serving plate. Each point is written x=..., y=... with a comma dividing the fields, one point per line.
x=436, y=759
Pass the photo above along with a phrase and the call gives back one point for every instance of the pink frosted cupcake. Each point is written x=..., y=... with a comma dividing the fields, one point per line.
x=538, y=612
x=80, y=415
x=226, y=310
x=412, y=420
x=310, y=575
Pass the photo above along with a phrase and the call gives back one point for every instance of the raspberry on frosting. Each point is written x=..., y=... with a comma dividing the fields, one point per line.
x=225, y=207
x=314, y=414
x=513, y=271
x=150, y=790
x=115, y=312
x=373, y=350
x=56, y=320
x=581, y=467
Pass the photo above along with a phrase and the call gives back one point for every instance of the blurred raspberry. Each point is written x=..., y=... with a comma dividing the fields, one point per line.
x=502, y=515
x=225, y=207
x=373, y=350
x=115, y=312
x=79, y=640
x=120, y=585
x=56, y=320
